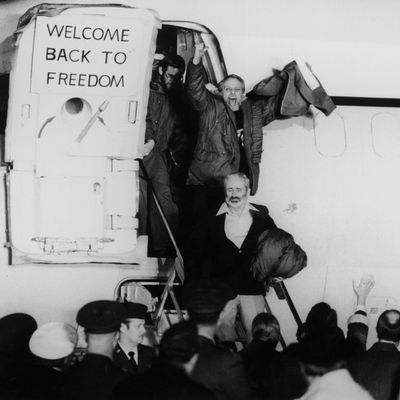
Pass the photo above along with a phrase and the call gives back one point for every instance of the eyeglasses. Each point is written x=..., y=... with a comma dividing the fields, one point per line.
x=232, y=90
x=177, y=77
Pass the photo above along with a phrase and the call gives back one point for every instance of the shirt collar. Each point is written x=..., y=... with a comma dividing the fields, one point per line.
x=224, y=209
x=127, y=351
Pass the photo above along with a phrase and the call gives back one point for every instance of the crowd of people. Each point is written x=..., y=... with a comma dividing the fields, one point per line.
x=192, y=362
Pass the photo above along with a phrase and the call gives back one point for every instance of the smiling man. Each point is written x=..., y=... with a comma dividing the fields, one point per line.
x=224, y=245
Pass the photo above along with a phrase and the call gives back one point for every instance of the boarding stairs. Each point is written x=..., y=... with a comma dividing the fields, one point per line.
x=163, y=300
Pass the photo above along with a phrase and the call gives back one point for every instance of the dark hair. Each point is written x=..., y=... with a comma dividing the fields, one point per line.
x=205, y=299
x=204, y=318
x=179, y=343
x=388, y=326
x=265, y=327
x=231, y=76
x=173, y=60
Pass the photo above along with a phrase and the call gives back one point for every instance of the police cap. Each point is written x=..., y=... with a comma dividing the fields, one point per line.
x=101, y=316
x=135, y=310
x=53, y=340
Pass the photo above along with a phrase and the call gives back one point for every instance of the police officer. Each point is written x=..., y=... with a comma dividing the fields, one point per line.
x=130, y=354
x=96, y=375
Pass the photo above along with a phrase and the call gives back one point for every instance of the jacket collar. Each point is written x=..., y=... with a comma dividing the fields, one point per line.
x=224, y=209
x=385, y=346
x=254, y=228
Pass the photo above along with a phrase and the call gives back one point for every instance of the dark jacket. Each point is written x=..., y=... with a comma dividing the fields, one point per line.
x=217, y=151
x=296, y=96
x=93, y=378
x=161, y=382
x=212, y=254
x=146, y=355
x=161, y=118
x=221, y=371
x=35, y=382
x=272, y=374
x=378, y=370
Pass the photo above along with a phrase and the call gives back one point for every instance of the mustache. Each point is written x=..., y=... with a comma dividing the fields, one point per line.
x=233, y=198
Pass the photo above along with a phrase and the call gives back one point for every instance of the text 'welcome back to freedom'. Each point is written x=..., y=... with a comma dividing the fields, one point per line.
x=75, y=54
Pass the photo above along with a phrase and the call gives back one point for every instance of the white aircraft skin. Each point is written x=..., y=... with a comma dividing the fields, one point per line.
x=330, y=181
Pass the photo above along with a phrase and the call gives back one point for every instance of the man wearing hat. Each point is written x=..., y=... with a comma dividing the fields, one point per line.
x=169, y=377
x=217, y=368
x=130, y=354
x=15, y=358
x=96, y=375
x=53, y=345
x=163, y=123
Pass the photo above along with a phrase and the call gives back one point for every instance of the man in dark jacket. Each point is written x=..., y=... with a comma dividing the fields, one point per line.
x=130, y=354
x=230, y=131
x=378, y=369
x=169, y=377
x=96, y=375
x=217, y=368
x=222, y=247
x=163, y=121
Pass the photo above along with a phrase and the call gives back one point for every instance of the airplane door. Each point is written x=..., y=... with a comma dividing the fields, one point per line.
x=77, y=105
x=179, y=37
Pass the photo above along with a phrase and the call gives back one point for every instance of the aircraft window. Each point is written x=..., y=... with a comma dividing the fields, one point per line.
x=385, y=134
x=330, y=136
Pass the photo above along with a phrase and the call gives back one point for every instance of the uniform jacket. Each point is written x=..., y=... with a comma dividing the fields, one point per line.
x=221, y=371
x=217, y=150
x=378, y=370
x=146, y=355
x=212, y=254
x=162, y=381
x=93, y=378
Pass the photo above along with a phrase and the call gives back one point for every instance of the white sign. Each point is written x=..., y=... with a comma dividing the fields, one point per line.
x=89, y=54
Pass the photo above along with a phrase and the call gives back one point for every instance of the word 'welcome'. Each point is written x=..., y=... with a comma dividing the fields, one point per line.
x=88, y=33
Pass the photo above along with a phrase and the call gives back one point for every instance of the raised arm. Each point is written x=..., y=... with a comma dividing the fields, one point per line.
x=358, y=322
x=196, y=80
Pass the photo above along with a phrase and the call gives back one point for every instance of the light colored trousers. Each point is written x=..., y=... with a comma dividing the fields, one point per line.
x=248, y=307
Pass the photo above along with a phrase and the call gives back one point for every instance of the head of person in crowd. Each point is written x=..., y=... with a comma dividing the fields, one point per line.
x=179, y=346
x=319, y=356
x=101, y=320
x=232, y=88
x=321, y=320
x=237, y=191
x=265, y=327
x=205, y=301
x=15, y=332
x=171, y=69
x=388, y=326
x=132, y=329
x=53, y=344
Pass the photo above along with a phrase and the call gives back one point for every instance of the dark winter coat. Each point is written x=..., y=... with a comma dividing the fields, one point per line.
x=217, y=151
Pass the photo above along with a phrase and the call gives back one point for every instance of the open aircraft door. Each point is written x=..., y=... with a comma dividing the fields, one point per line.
x=76, y=121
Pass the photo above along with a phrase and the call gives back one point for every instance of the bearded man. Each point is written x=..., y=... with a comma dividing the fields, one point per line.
x=223, y=246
